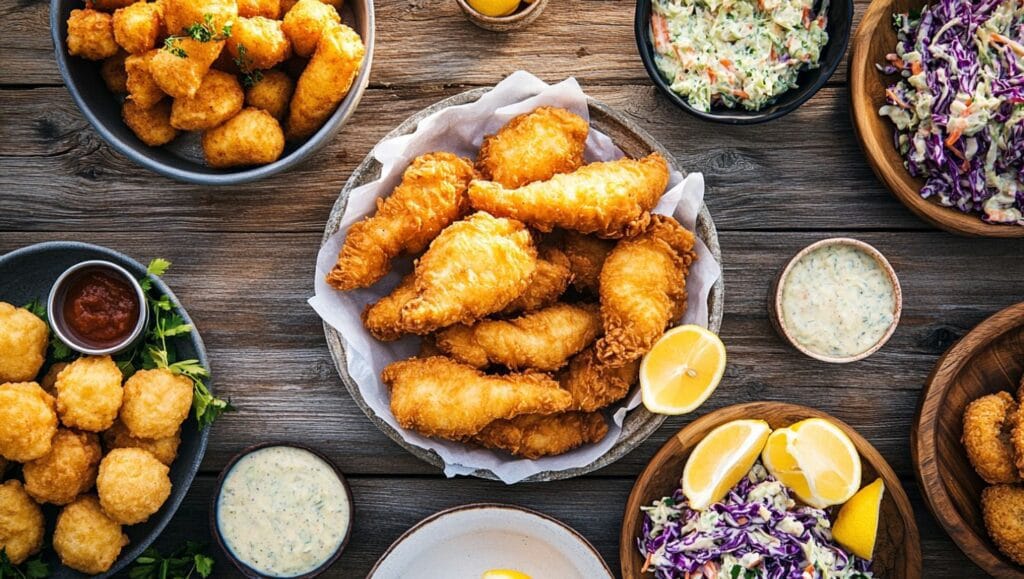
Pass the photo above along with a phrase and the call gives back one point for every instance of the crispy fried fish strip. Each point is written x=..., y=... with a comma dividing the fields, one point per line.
x=594, y=385
x=586, y=255
x=549, y=282
x=440, y=397
x=611, y=199
x=384, y=318
x=431, y=196
x=534, y=147
x=533, y=435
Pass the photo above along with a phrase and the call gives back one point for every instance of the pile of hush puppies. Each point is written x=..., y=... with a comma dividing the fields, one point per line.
x=249, y=74
x=53, y=428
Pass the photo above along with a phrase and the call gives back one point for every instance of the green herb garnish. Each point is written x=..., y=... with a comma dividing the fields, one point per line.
x=181, y=564
x=33, y=568
x=250, y=76
x=202, y=32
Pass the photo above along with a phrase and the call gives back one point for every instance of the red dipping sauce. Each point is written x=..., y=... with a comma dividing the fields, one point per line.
x=100, y=309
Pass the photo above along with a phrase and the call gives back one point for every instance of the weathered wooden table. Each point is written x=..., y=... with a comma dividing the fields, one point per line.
x=244, y=257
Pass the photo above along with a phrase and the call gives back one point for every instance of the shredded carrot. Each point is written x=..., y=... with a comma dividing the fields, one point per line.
x=915, y=67
x=740, y=93
x=726, y=62
x=896, y=99
x=660, y=27
x=953, y=137
x=1013, y=44
x=647, y=563
x=712, y=76
x=807, y=17
x=896, y=61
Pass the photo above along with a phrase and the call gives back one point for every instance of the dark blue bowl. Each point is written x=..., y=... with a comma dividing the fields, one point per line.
x=182, y=159
x=27, y=274
x=840, y=19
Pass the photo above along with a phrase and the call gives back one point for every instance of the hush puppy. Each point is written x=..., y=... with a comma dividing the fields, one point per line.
x=179, y=70
x=114, y=74
x=264, y=8
x=305, y=23
x=271, y=93
x=21, y=523
x=86, y=539
x=89, y=393
x=326, y=80
x=1003, y=509
x=27, y=421
x=156, y=402
x=252, y=137
x=219, y=98
x=68, y=470
x=258, y=43
x=153, y=125
x=180, y=14
x=988, y=422
x=142, y=87
x=91, y=34
x=23, y=341
x=164, y=449
x=137, y=27
x=49, y=381
x=132, y=485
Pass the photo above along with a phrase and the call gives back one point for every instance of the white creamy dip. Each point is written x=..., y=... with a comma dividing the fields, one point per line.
x=838, y=301
x=283, y=511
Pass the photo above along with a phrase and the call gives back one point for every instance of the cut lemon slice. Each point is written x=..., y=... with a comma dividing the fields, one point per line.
x=504, y=574
x=816, y=460
x=682, y=369
x=721, y=460
x=856, y=526
x=494, y=7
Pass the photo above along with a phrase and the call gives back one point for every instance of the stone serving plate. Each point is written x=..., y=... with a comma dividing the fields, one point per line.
x=635, y=142
x=27, y=274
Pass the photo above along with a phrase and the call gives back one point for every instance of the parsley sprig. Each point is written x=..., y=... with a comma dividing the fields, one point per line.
x=181, y=564
x=200, y=31
x=250, y=75
x=31, y=569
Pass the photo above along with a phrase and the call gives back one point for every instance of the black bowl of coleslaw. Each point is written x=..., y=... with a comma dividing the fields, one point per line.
x=838, y=18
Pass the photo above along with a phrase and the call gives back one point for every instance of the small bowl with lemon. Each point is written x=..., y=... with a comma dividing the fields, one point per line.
x=502, y=15
x=819, y=481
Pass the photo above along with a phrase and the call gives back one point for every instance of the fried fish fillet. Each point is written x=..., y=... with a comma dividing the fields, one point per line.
x=533, y=147
x=586, y=255
x=384, y=318
x=440, y=397
x=987, y=424
x=533, y=435
x=594, y=385
x=643, y=289
x=611, y=199
x=431, y=196
x=474, y=268
x=549, y=282
x=542, y=340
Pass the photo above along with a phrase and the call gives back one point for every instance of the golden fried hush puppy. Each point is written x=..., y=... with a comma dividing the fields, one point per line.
x=49, y=381
x=153, y=125
x=180, y=14
x=23, y=341
x=91, y=35
x=132, y=485
x=27, y=421
x=89, y=393
x=1003, y=508
x=219, y=98
x=114, y=74
x=258, y=43
x=86, y=539
x=326, y=80
x=164, y=449
x=137, y=27
x=988, y=423
x=305, y=23
x=156, y=402
x=142, y=88
x=271, y=93
x=68, y=470
x=264, y=8
x=179, y=69
x=21, y=523
x=252, y=137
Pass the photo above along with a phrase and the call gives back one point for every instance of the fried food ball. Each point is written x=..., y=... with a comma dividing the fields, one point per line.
x=86, y=539
x=91, y=34
x=1003, y=508
x=89, y=393
x=258, y=43
x=27, y=421
x=252, y=137
x=180, y=14
x=264, y=8
x=23, y=341
x=49, y=381
x=179, y=70
x=164, y=449
x=114, y=74
x=132, y=485
x=219, y=98
x=153, y=125
x=987, y=425
x=305, y=22
x=271, y=93
x=111, y=5
x=142, y=87
x=21, y=523
x=326, y=80
x=156, y=402
x=137, y=27
x=68, y=470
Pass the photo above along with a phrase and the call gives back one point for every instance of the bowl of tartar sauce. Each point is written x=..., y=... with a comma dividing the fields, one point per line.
x=282, y=510
x=838, y=300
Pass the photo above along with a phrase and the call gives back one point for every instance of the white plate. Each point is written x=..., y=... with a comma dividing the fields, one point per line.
x=464, y=542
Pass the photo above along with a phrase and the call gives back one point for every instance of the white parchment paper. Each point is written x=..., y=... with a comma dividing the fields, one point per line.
x=460, y=130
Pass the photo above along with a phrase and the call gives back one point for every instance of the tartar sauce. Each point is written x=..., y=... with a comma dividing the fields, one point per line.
x=283, y=511
x=838, y=301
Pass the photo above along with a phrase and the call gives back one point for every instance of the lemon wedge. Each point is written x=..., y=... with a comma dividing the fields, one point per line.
x=721, y=460
x=856, y=526
x=682, y=369
x=816, y=460
x=494, y=7
x=504, y=574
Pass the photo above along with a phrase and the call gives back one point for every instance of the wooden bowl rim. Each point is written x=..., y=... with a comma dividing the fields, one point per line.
x=899, y=182
x=879, y=258
x=924, y=449
x=756, y=410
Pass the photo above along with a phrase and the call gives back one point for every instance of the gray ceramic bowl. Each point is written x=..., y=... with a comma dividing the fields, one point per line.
x=635, y=142
x=182, y=159
x=27, y=274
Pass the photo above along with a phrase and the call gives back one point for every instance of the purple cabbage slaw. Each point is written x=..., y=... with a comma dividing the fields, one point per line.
x=958, y=104
x=757, y=531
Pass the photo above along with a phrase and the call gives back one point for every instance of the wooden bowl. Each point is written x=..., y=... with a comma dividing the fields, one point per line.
x=988, y=359
x=874, y=39
x=898, y=551
x=521, y=18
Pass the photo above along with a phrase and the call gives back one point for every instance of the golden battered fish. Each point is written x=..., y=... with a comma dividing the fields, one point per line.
x=534, y=436
x=384, y=318
x=594, y=385
x=534, y=147
x=586, y=255
x=549, y=282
